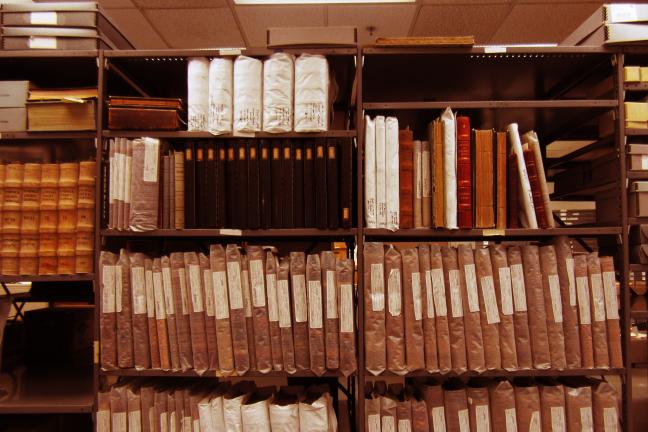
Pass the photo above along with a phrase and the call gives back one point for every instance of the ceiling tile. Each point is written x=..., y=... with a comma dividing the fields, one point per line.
x=179, y=4
x=444, y=20
x=387, y=20
x=136, y=28
x=255, y=20
x=116, y=4
x=196, y=28
x=537, y=23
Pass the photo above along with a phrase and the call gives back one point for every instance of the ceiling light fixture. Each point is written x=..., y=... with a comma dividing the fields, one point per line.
x=318, y=2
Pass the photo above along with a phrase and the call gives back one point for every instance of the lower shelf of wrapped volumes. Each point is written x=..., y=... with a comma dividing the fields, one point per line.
x=512, y=373
x=213, y=373
x=485, y=234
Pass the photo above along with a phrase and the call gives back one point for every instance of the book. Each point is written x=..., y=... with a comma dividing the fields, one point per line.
x=233, y=188
x=347, y=171
x=276, y=177
x=464, y=174
x=370, y=192
x=513, y=191
x=483, y=179
x=381, y=173
x=417, y=188
x=166, y=193
x=406, y=178
x=254, y=199
x=242, y=182
x=190, y=184
x=435, y=135
x=222, y=185
x=392, y=181
x=145, y=185
x=321, y=199
x=200, y=185
x=265, y=180
x=211, y=194
x=288, y=185
x=179, y=190
x=534, y=181
x=449, y=122
x=501, y=180
x=298, y=197
x=61, y=115
x=332, y=184
x=534, y=144
x=426, y=185
x=527, y=212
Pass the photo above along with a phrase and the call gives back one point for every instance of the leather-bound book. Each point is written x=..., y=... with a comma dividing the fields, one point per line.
x=309, y=184
x=253, y=210
x=166, y=204
x=179, y=190
x=438, y=194
x=406, y=178
x=112, y=184
x=200, y=214
x=464, y=174
x=320, y=185
x=332, y=191
x=298, y=197
x=534, y=181
x=345, y=152
x=288, y=185
x=172, y=199
x=190, y=184
x=483, y=180
x=534, y=145
x=501, y=181
x=513, y=192
x=426, y=185
x=417, y=187
x=222, y=185
x=232, y=186
x=275, y=167
x=265, y=183
x=209, y=180
x=242, y=179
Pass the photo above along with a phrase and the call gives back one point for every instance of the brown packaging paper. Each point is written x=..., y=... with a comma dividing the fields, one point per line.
x=237, y=310
x=134, y=409
x=161, y=325
x=345, y=270
x=394, y=319
x=331, y=292
x=374, y=308
x=413, y=302
x=142, y=356
x=315, y=315
x=247, y=302
x=285, y=323
x=502, y=406
x=504, y=293
x=224, y=340
x=552, y=403
x=478, y=405
x=584, y=311
x=372, y=409
x=597, y=299
x=456, y=407
x=193, y=281
x=440, y=309
x=578, y=400
x=107, y=318
x=520, y=315
x=263, y=349
x=404, y=415
x=434, y=403
x=273, y=311
x=535, y=301
x=612, y=312
x=210, y=313
x=300, y=309
x=169, y=303
x=490, y=316
x=182, y=309
x=388, y=412
x=429, y=326
x=154, y=342
x=160, y=401
x=472, y=321
x=454, y=296
x=527, y=406
x=118, y=408
x=103, y=411
x=567, y=278
x=420, y=422
x=124, y=308
x=553, y=306
x=148, y=409
x=145, y=185
x=606, y=404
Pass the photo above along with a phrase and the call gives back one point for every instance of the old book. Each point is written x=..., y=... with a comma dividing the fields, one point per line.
x=321, y=193
x=271, y=269
x=112, y=185
x=501, y=180
x=417, y=186
x=211, y=196
x=455, y=298
x=440, y=309
x=406, y=181
x=347, y=171
x=131, y=118
x=435, y=134
x=145, y=185
x=374, y=302
x=472, y=319
x=276, y=176
x=484, y=171
x=249, y=316
x=449, y=122
x=597, y=298
x=298, y=191
x=568, y=295
x=394, y=318
x=170, y=309
x=287, y=184
x=534, y=181
x=61, y=115
x=520, y=309
x=525, y=207
x=254, y=185
x=190, y=184
x=413, y=310
x=381, y=172
x=265, y=181
x=141, y=349
x=332, y=184
x=330, y=296
x=489, y=311
x=392, y=180
x=370, y=202
x=536, y=304
x=347, y=348
x=160, y=316
x=300, y=310
x=172, y=197
x=504, y=293
x=464, y=174
x=124, y=308
x=512, y=191
x=182, y=308
x=316, y=336
x=284, y=309
x=233, y=187
x=553, y=306
x=196, y=305
x=309, y=184
x=166, y=204
x=426, y=185
x=237, y=310
x=107, y=313
x=534, y=144
x=179, y=190
x=611, y=312
x=262, y=342
x=200, y=185
x=222, y=184
x=242, y=182
x=224, y=340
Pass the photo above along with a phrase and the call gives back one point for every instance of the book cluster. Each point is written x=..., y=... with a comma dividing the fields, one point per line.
x=228, y=312
x=499, y=405
x=457, y=178
x=446, y=309
x=244, y=184
x=151, y=405
x=48, y=218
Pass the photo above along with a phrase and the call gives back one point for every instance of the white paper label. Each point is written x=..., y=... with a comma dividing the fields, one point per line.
x=134, y=421
x=517, y=282
x=184, y=296
x=221, y=303
x=438, y=288
x=43, y=18
x=158, y=286
x=494, y=49
x=416, y=296
x=346, y=308
x=151, y=160
x=611, y=302
x=196, y=288
x=622, y=12
x=209, y=293
x=273, y=308
x=506, y=291
x=438, y=419
x=556, y=302
x=150, y=295
x=164, y=422
x=172, y=421
x=103, y=421
x=42, y=42
x=119, y=288
x=456, y=303
x=558, y=419
x=610, y=420
x=377, y=288
x=464, y=420
x=108, y=289
x=245, y=288
x=394, y=292
x=283, y=299
x=388, y=424
x=490, y=299
x=429, y=295
x=258, y=288
x=315, y=304
x=331, y=296
x=534, y=423
x=471, y=287
x=119, y=422
x=598, y=299
x=168, y=291
x=583, y=300
x=587, y=423
x=373, y=423
x=404, y=425
x=571, y=276
x=644, y=162
x=511, y=420
x=482, y=418
x=299, y=298
x=234, y=285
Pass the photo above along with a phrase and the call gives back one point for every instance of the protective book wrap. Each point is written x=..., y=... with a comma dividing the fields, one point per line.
x=578, y=401
x=271, y=268
x=394, y=319
x=232, y=403
x=606, y=406
x=169, y=302
x=161, y=321
x=520, y=315
x=432, y=394
x=597, y=301
x=316, y=343
x=370, y=173
x=345, y=269
x=372, y=409
x=237, y=310
x=182, y=308
x=108, y=311
x=134, y=408
x=381, y=172
x=429, y=315
x=195, y=293
x=118, y=408
x=413, y=307
x=210, y=315
x=255, y=412
x=584, y=311
x=527, y=407
x=330, y=296
x=316, y=411
x=285, y=323
x=153, y=339
x=103, y=412
x=145, y=185
x=552, y=403
x=221, y=89
x=450, y=167
x=124, y=309
x=504, y=293
x=420, y=421
x=141, y=353
x=224, y=339
x=456, y=407
x=300, y=310
x=567, y=278
x=311, y=93
x=404, y=414
x=197, y=93
x=478, y=406
x=284, y=411
x=502, y=406
x=439, y=290
x=392, y=179
x=553, y=306
x=454, y=294
x=248, y=88
x=489, y=312
x=374, y=306
x=263, y=349
x=388, y=412
x=535, y=301
x=247, y=302
x=472, y=321
x=612, y=312
x=278, y=90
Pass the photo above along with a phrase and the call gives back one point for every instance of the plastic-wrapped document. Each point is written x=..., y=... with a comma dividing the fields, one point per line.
x=248, y=82
x=528, y=216
x=370, y=173
x=450, y=167
x=381, y=172
x=220, y=95
x=198, y=93
x=311, y=93
x=392, y=177
x=278, y=87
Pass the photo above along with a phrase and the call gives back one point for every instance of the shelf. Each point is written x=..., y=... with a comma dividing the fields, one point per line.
x=513, y=104
x=637, y=175
x=639, y=267
x=233, y=233
x=640, y=365
x=636, y=132
x=516, y=373
x=48, y=53
x=207, y=135
x=417, y=234
x=489, y=50
x=637, y=220
x=72, y=135
x=251, y=52
x=211, y=373
x=49, y=278
x=640, y=315
x=638, y=87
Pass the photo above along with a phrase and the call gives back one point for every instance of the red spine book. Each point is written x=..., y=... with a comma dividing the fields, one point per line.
x=534, y=180
x=513, y=192
x=406, y=177
x=464, y=174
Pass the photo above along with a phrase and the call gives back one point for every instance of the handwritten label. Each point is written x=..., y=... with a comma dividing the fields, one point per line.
x=273, y=307
x=511, y=420
x=611, y=301
x=209, y=293
x=583, y=300
x=158, y=287
x=42, y=42
x=404, y=425
x=610, y=420
x=456, y=302
x=388, y=424
x=438, y=288
x=234, y=285
x=43, y=18
x=151, y=159
x=571, y=276
x=464, y=420
x=247, y=297
x=377, y=288
x=506, y=291
x=221, y=302
x=168, y=291
x=108, y=289
x=471, y=287
x=331, y=296
x=556, y=302
x=315, y=304
x=416, y=296
x=534, y=423
x=373, y=423
x=482, y=418
x=258, y=288
x=490, y=299
x=184, y=296
x=438, y=419
x=519, y=293
x=150, y=294
x=196, y=289
x=429, y=295
x=283, y=300
x=299, y=298
x=394, y=292
x=346, y=308
x=119, y=287
x=587, y=423
x=598, y=299
x=558, y=419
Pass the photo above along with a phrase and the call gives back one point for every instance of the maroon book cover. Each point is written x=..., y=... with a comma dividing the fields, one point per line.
x=464, y=174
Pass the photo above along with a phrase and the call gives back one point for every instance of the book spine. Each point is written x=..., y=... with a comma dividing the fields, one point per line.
x=417, y=190
x=526, y=197
x=128, y=178
x=190, y=185
x=320, y=185
x=211, y=187
x=501, y=180
x=221, y=185
x=426, y=185
x=406, y=178
x=464, y=174
x=166, y=204
x=298, y=198
x=288, y=182
x=438, y=199
x=266, y=185
x=243, y=181
x=309, y=184
x=534, y=145
x=534, y=181
x=346, y=183
x=233, y=186
x=253, y=209
x=332, y=179
x=179, y=190
x=275, y=167
x=513, y=191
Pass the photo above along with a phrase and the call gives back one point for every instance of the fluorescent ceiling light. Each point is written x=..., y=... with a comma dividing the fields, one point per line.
x=279, y=2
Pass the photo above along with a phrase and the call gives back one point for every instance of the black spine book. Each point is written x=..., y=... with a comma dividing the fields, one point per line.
x=345, y=152
x=332, y=192
x=298, y=197
x=265, y=184
x=287, y=182
x=220, y=181
x=232, y=186
x=277, y=220
x=309, y=184
x=253, y=210
x=190, y=185
x=201, y=211
x=320, y=185
x=209, y=176
x=242, y=178
x=164, y=182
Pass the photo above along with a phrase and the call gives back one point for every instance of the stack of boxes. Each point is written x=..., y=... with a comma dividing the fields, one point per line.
x=13, y=111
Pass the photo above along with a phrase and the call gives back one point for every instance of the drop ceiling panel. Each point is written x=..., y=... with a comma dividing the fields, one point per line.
x=196, y=28
x=116, y=4
x=179, y=4
x=136, y=28
x=388, y=20
x=537, y=23
x=453, y=20
x=255, y=20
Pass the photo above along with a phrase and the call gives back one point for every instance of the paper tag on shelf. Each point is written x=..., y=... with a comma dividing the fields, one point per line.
x=493, y=232
x=42, y=42
x=231, y=232
x=494, y=49
x=243, y=134
x=43, y=18
x=229, y=51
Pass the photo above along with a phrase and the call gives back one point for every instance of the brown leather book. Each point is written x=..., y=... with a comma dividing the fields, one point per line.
x=426, y=185
x=417, y=190
x=464, y=174
x=513, y=192
x=483, y=179
x=406, y=178
x=438, y=200
x=144, y=102
x=142, y=119
x=538, y=203
x=501, y=181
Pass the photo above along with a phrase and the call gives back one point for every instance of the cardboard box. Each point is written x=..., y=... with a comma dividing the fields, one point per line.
x=62, y=38
x=638, y=199
x=631, y=74
x=636, y=111
x=593, y=30
x=13, y=94
x=13, y=119
x=637, y=155
x=313, y=36
x=625, y=33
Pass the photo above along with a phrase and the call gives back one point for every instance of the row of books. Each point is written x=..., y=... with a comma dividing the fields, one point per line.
x=199, y=406
x=494, y=405
x=228, y=312
x=250, y=95
x=245, y=184
x=446, y=309
x=456, y=178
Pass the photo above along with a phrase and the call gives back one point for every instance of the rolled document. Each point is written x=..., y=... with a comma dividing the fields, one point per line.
x=311, y=93
x=392, y=176
x=450, y=167
x=220, y=95
x=198, y=93
x=528, y=216
x=278, y=87
x=248, y=82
